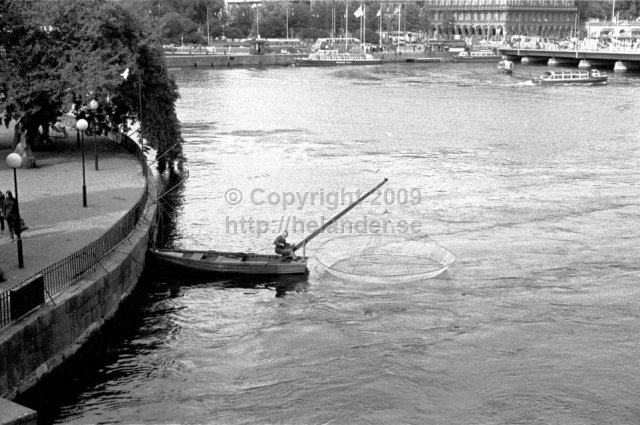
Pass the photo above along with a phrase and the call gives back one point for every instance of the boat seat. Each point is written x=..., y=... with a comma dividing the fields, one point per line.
x=227, y=259
x=195, y=256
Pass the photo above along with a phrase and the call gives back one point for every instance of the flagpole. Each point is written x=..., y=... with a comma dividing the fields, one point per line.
x=333, y=21
x=399, y=16
x=360, y=17
x=364, y=22
x=346, y=25
x=380, y=27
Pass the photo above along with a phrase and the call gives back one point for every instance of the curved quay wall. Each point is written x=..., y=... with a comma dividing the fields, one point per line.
x=43, y=339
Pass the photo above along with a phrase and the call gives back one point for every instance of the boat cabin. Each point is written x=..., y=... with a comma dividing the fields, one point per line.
x=478, y=54
x=566, y=75
x=257, y=46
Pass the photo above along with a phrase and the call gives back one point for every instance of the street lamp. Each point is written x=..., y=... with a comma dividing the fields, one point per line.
x=15, y=161
x=93, y=105
x=81, y=126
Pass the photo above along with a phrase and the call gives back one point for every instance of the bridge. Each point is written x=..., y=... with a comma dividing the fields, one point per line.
x=619, y=61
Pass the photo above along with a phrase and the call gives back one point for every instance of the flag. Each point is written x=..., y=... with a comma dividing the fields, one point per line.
x=396, y=11
x=358, y=13
x=125, y=74
x=253, y=6
x=379, y=12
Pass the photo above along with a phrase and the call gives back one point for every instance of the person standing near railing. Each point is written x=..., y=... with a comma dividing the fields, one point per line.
x=1, y=211
x=11, y=214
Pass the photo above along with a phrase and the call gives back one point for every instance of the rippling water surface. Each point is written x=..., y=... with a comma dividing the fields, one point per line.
x=535, y=190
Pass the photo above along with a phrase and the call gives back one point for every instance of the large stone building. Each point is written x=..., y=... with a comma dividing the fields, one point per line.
x=502, y=18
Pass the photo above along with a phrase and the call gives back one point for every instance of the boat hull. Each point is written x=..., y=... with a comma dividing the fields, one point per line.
x=329, y=62
x=229, y=263
x=590, y=81
x=496, y=58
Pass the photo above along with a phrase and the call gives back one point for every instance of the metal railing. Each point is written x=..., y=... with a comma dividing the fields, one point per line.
x=69, y=270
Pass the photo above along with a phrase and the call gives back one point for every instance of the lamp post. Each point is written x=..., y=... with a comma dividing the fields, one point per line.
x=93, y=105
x=15, y=161
x=81, y=126
x=140, y=109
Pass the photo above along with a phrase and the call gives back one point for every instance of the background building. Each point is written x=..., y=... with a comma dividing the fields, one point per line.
x=502, y=18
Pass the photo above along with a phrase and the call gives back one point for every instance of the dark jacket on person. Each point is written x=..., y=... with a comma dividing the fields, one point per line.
x=9, y=210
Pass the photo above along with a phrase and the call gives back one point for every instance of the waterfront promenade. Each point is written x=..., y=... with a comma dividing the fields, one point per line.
x=51, y=200
x=51, y=204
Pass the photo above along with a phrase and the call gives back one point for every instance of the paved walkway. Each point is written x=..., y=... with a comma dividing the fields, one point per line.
x=50, y=199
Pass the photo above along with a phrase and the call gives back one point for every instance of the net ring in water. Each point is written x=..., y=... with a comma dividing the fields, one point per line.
x=383, y=258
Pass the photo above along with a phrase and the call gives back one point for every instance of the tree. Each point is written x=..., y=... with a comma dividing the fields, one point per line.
x=160, y=125
x=62, y=54
x=604, y=9
x=234, y=33
x=174, y=27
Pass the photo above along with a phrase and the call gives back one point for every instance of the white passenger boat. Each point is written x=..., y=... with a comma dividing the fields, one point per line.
x=335, y=58
x=571, y=77
x=478, y=56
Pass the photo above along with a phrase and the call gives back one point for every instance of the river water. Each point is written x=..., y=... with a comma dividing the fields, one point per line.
x=534, y=189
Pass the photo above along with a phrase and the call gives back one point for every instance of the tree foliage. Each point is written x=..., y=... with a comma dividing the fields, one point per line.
x=61, y=54
x=604, y=9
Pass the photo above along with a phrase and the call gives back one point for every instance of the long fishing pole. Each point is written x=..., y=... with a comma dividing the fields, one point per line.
x=337, y=216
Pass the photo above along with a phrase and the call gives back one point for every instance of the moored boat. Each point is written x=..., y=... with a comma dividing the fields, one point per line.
x=478, y=56
x=571, y=77
x=335, y=58
x=217, y=262
x=505, y=66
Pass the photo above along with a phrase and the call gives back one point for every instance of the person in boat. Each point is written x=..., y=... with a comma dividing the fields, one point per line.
x=283, y=248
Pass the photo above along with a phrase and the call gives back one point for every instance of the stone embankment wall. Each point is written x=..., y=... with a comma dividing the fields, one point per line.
x=217, y=61
x=228, y=61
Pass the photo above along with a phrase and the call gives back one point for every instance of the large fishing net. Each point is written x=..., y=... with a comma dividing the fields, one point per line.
x=376, y=258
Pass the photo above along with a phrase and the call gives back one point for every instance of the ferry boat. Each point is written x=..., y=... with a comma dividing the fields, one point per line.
x=335, y=58
x=571, y=77
x=478, y=56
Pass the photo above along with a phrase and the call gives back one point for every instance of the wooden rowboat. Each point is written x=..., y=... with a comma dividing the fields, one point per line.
x=246, y=263
x=216, y=262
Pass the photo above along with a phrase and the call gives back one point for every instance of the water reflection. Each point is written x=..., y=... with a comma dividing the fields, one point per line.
x=170, y=202
x=174, y=282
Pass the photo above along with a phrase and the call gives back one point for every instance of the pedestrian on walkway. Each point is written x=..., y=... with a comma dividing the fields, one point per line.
x=1, y=211
x=11, y=214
